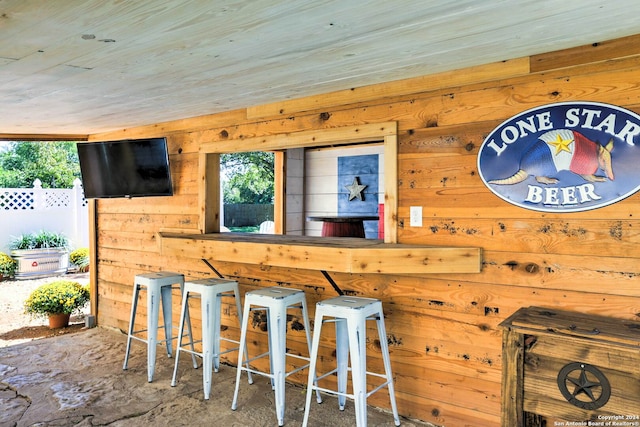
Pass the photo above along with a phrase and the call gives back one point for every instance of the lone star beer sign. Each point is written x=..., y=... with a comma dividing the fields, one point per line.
x=564, y=157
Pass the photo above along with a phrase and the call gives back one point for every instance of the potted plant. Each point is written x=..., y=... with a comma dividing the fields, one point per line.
x=8, y=266
x=80, y=259
x=40, y=254
x=57, y=300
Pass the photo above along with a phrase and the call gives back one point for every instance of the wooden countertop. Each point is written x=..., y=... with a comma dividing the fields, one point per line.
x=340, y=254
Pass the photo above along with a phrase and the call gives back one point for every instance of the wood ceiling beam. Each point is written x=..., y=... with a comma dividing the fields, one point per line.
x=42, y=137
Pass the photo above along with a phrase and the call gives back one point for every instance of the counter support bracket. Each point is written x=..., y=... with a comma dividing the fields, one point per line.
x=333, y=283
x=212, y=268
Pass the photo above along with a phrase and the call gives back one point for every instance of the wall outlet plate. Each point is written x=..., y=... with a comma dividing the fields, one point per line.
x=416, y=216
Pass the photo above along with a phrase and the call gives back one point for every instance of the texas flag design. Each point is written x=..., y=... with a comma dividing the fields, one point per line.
x=561, y=149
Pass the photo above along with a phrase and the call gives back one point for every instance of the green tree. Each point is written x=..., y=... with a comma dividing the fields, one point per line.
x=248, y=177
x=55, y=164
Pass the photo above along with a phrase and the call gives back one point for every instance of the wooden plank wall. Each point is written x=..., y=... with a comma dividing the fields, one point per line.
x=442, y=329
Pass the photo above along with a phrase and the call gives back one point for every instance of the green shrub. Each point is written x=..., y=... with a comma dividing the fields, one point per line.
x=39, y=240
x=61, y=296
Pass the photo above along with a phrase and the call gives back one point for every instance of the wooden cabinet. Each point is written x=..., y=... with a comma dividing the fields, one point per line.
x=572, y=368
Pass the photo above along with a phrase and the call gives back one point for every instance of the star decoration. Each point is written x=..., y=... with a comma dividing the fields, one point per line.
x=597, y=391
x=561, y=144
x=355, y=190
x=584, y=385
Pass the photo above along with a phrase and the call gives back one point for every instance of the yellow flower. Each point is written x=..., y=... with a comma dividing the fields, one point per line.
x=61, y=296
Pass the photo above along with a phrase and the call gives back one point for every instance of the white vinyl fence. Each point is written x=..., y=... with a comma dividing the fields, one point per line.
x=29, y=210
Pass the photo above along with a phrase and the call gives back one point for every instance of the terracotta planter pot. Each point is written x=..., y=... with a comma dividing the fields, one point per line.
x=58, y=320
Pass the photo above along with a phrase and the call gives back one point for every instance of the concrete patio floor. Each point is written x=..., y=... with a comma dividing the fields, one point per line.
x=77, y=380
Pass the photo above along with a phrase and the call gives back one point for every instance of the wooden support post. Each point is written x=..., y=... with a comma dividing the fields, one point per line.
x=512, y=379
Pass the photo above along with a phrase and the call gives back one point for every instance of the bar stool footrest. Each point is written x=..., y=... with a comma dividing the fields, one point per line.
x=199, y=353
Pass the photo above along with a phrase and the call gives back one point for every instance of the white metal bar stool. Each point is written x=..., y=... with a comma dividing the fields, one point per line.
x=350, y=315
x=276, y=301
x=211, y=292
x=159, y=287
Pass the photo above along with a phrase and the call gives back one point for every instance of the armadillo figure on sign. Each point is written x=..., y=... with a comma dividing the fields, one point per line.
x=563, y=150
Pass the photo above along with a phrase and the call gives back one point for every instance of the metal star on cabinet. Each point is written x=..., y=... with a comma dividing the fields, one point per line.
x=355, y=190
x=590, y=382
x=584, y=385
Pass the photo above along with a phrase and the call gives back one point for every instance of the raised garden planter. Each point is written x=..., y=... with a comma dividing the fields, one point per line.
x=34, y=263
x=40, y=254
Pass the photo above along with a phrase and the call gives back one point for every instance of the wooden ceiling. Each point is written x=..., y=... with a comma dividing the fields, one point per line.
x=91, y=66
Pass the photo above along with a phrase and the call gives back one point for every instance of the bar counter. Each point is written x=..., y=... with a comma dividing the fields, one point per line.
x=339, y=254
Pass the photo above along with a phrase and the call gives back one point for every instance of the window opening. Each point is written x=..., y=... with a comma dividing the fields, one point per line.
x=286, y=149
x=247, y=180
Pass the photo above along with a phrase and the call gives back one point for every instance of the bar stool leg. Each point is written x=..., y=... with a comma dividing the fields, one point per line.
x=240, y=318
x=342, y=360
x=241, y=352
x=132, y=318
x=153, y=310
x=167, y=301
x=183, y=313
x=188, y=320
x=271, y=348
x=357, y=343
x=384, y=347
x=313, y=356
x=307, y=331
x=184, y=317
x=307, y=324
x=208, y=352
x=278, y=333
x=215, y=330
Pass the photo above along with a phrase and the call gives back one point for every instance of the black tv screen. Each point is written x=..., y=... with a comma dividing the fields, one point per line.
x=127, y=168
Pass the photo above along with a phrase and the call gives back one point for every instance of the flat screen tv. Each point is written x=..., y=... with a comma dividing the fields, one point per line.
x=127, y=168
